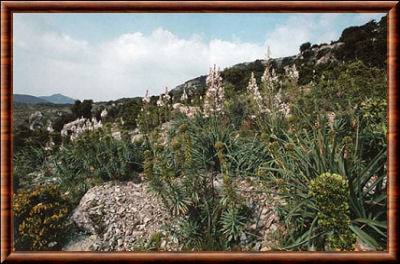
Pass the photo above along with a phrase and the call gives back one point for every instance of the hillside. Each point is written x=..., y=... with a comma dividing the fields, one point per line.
x=366, y=43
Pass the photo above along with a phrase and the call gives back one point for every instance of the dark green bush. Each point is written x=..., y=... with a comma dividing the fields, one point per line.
x=305, y=46
x=94, y=157
x=82, y=109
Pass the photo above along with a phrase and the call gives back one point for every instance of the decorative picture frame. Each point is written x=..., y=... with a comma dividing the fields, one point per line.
x=8, y=8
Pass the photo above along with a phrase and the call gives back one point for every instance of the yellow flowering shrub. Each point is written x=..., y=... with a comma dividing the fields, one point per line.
x=40, y=218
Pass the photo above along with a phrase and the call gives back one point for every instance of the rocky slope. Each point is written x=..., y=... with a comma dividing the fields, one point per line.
x=123, y=216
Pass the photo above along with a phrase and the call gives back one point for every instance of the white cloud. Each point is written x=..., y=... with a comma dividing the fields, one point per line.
x=51, y=62
x=48, y=61
x=366, y=17
x=286, y=38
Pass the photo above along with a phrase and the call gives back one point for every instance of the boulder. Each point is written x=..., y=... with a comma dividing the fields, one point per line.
x=118, y=213
x=35, y=120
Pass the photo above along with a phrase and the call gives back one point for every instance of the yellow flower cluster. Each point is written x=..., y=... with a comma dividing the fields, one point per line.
x=41, y=218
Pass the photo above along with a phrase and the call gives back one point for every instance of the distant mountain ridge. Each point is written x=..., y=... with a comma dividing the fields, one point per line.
x=52, y=99
x=28, y=99
x=58, y=99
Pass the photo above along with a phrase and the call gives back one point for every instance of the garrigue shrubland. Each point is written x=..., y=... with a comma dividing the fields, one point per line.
x=314, y=136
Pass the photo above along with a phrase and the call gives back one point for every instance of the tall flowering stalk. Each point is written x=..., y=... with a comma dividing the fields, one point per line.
x=154, y=180
x=231, y=219
x=187, y=166
x=184, y=96
x=163, y=104
x=280, y=106
x=267, y=79
x=166, y=102
x=269, y=74
x=160, y=101
x=103, y=114
x=160, y=108
x=229, y=192
x=266, y=75
x=144, y=116
x=214, y=98
x=166, y=95
x=146, y=98
x=256, y=100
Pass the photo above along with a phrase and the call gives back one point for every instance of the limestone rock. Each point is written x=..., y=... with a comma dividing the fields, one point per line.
x=116, y=215
x=35, y=120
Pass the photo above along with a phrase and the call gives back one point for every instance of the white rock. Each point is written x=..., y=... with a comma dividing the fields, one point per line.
x=124, y=224
x=116, y=135
x=163, y=244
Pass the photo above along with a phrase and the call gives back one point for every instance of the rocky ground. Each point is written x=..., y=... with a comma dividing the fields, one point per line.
x=264, y=229
x=125, y=217
x=119, y=217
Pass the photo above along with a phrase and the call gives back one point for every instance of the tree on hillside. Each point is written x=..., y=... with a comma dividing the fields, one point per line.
x=305, y=46
x=82, y=109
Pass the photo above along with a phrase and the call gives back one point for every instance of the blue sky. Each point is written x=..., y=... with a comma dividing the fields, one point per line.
x=109, y=56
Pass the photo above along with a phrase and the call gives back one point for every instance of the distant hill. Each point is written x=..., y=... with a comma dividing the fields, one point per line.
x=29, y=99
x=52, y=99
x=58, y=99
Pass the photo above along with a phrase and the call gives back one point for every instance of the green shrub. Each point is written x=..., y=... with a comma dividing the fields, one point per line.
x=374, y=114
x=331, y=192
x=24, y=137
x=182, y=174
x=314, y=151
x=151, y=244
x=82, y=109
x=95, y=157
x=305, y=46
x=27, y=160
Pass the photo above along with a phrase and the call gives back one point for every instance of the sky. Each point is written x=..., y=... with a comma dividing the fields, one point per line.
x=109, y=56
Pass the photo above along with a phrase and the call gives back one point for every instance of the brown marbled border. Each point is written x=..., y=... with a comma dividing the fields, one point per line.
x=10, y=7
